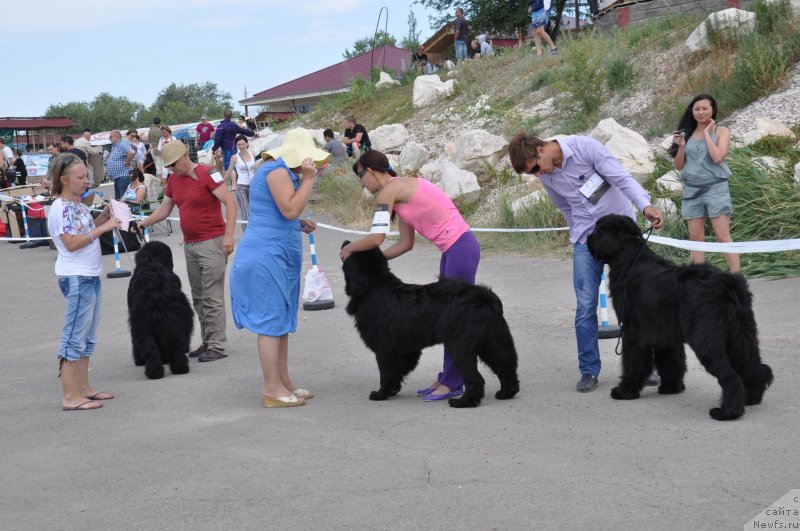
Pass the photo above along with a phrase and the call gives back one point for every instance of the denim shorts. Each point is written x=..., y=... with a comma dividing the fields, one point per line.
x=81, y=317
x=712, y=204
x=538, y=18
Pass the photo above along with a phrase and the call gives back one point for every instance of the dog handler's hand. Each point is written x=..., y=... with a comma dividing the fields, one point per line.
x=227, y=245
x=308, y=226
x=654, y=216
x=345, y=252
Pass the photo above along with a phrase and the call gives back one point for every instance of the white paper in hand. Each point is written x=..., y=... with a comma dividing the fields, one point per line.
x=122, y=212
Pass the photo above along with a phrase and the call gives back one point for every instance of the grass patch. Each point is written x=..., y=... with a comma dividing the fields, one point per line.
x=340, y=194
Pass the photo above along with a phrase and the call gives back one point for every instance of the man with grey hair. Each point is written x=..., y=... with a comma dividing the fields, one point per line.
x=119, y=163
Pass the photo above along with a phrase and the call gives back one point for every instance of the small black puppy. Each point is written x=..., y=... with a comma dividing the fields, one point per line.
x=159, y=314
x=398, y=320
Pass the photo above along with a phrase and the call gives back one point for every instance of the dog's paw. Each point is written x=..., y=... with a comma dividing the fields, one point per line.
x=505, y=394
x=671, y=389
x=181, y=367
x=377, y=396
x=621, y=393
x=718, y=413
x=154, y=373
x=463, y=402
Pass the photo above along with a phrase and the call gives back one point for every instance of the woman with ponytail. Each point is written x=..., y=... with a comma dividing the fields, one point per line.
x=421, y=207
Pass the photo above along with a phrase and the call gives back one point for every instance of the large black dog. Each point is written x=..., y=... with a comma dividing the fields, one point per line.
x=398, y=320
x=661, y=306
x=160, y=316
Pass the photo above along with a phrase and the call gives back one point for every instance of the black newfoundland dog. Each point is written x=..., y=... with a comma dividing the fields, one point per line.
x=661, y=306
x=159, y=314
x=398, y=320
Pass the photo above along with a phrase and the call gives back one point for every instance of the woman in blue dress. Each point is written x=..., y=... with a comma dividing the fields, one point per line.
x=265, y=278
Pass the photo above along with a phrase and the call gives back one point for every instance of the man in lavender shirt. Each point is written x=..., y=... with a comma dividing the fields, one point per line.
x=586, y=182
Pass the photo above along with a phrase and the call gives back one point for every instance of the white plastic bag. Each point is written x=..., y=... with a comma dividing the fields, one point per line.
x=317, y=287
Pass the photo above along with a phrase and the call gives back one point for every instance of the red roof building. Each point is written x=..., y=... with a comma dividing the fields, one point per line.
x=300, y=94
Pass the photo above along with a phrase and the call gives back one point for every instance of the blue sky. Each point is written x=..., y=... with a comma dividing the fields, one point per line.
x=73, y=50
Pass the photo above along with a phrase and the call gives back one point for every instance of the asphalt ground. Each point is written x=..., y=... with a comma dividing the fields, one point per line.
x=199, y=451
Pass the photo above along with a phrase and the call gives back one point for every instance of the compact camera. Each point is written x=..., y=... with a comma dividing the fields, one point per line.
x=681, y=132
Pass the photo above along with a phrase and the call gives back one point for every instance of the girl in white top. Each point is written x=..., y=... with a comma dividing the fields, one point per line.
x=243, y=163
x=166, y=137
x=78, y=266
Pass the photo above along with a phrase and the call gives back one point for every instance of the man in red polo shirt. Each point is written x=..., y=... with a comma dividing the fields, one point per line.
x=198, y=190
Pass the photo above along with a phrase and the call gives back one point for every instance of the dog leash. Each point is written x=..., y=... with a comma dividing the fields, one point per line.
x=618, y=348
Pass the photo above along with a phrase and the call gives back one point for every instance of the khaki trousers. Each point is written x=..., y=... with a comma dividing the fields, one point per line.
x=206, y=265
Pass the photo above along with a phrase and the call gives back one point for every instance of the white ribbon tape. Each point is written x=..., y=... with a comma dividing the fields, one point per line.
x=769, y=246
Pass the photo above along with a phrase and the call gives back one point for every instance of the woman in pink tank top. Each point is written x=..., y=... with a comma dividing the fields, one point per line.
x=421, y=207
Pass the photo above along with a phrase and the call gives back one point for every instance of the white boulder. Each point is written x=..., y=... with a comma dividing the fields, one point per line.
x=455, y=182
x=428, y=89
x=668, y=208
x=529, y=201
x=413, y=156
x=670, y=181
x=386, y=81
x=628, y=146
x=475, y=149
x=729, y=20
x=797, y=174
x=388, y=137
x=769, y=164
x=767, y=127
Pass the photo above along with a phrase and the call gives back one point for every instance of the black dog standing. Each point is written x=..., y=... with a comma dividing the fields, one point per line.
x=397, y=320
x=662, y=305
x=160, y=316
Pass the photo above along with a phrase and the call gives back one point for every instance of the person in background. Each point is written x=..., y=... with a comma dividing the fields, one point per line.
x=19, y=167
x=199, y=193
x=68, y=146
x=136, y=192
x=355, y=138
x=204, y=131
x=243, y=164
x=166, y=138
x=119, y=163
x=225, y=138
x=83, y=143
x=333, y=146
x=52, y=149
x=265, y=278
x=461, y=30
x=481, y=47
x=153, y=137
x=585, y=182
x=539, y=16
x=421, y=60
x=700, y=157
x=78, y=267
x=422, y=207
x=141, y=152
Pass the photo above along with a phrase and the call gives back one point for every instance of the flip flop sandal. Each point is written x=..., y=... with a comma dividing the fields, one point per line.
x=97, y=396
x=80, y=407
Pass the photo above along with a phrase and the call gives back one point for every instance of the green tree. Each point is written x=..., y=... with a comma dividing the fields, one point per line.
x=411, y=41
x=495, y=16
x=177, y=104
x=105, y=112
x=381, y=39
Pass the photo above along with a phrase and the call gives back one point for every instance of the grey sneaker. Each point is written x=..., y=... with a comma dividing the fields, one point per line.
x=653, y=380
x=211, y=355
x=587, y=383
x=199, y=350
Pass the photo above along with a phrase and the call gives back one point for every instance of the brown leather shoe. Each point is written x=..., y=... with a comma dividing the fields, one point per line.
x=199, y=350
x=211, y=355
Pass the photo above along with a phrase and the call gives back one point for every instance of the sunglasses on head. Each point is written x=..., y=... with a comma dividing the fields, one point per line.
x=67, y=161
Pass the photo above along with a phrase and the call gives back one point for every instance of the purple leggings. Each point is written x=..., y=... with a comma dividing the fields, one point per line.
x=460, y=262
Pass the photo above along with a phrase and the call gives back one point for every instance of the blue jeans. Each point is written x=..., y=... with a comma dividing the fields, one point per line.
x=226, y=157
x=120, y=185
x=586, y=273
x=81, y=317
x=461, y=50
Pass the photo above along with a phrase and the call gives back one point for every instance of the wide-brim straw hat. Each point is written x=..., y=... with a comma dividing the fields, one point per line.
x=172, y=151
x=298, y=144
